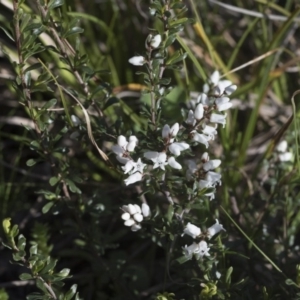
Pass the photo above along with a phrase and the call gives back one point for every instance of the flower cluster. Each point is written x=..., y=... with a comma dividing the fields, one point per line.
x=160, y=159
x=152, y=42
x=122, y=151
x=283, y=154
x=133, y=215
x=200, y=249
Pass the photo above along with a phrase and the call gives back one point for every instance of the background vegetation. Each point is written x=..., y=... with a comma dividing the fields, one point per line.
x=66, y=198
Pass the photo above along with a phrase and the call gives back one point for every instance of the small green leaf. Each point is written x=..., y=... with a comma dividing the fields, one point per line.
x=63, y=273
x=31, y=162
x=69, y=295
x=74, y=30
x=25, y=276
x=181, y=260
x=33, y=67
x=47, y=207
x=53, y=180
x=27, y=79
x=111, y=101
x=49, y=104
x=55, y=3
x=33, y=249
x=228, y=275
x=7, y=33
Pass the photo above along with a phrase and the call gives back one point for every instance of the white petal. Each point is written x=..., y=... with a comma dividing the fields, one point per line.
x=75, y=120
x=287, y=156
x=122, y=160
x=125, y=216
x=224, y=106
x=138, y=208
x=139, y=166
x=230, y=89
x=213, y=177
x=129, y=166
x=215, y=77
x=131, y=209
x=117, y=149
x=155, y=41
x=216, y=228
x=174, y=129
x=151, y=155
x=136, y=227
x=201, y=138
x=212, y=164
x=199, y=111
x=191, y=230
x=210, y=131
x=133, y=178
x=216, y=118
x=174, y=164
x=204, y=157
x=138, y=217
x=130, y=146
x=166, y=131
x=129, y=222
x=203, y=249
x=203, y=98
x=145, y=210
x=122, y=142
x=133, y=138
x=137, y=60
x=191, y=119
x=203, y=184
x=176, y=148
x=282, y=146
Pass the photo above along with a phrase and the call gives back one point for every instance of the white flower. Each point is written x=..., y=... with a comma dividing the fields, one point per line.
x=129, y=222
x=216, y=118
x=210, y=131
x=159, y=159
x=128, y=166
x=190, y=250
x=201, y=138
x=282, y=146
x=132, y=143
x=146, y=210
x=155, y=41
x=203, y=184
x=75, y=120
x=213, y=177
x=204, y=157
x=191, y=230
x=177, y=147
x=133, y=178
x=212, y=164
x=174, y=164
x=139, y=166
x=125, y=216
x=287, y=156
x=192, y=168
x=223, y=103
x=216, y=228
x=132, y=216
x=136, y=227
x=203, y=98
x=219, y=86
x=137, y=60
x=138, y=217
x=168, y=132
x=130, y=208
x=199, y=111
x=230, y=89
x=203, y=249
x=123, y=147
x=191, y=118
x=199, y=250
